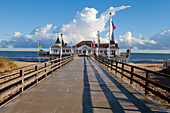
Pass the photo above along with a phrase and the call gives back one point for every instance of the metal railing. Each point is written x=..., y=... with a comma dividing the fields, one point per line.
x=148, y=80
x=16, y=81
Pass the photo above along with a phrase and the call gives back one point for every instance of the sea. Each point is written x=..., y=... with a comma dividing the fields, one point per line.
x=32, y=56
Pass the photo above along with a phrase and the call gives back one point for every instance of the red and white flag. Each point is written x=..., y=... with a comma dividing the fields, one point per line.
x=93, y=44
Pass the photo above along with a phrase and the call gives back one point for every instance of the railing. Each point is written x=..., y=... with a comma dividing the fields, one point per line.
x=149, y=81
x=16, y=81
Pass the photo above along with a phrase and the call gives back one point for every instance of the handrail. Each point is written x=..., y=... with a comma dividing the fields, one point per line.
x=110, y=64
x=34, y=73
x=162, y=74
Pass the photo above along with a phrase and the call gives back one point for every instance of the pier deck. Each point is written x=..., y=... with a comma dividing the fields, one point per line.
x=82, y=86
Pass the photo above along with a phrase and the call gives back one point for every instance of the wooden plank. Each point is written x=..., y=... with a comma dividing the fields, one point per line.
x=147, y=80
x=26, y=69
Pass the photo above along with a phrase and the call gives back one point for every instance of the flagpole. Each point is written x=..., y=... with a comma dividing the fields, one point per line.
x=38, y=52
x=109, y=36
x=97, y=46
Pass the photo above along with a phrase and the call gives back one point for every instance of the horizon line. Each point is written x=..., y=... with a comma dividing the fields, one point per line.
x=121, y=50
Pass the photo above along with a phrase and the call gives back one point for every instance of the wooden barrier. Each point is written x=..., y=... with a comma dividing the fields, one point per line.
x=147, y=80
x=18, y=80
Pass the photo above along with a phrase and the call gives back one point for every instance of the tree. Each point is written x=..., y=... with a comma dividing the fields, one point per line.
x=128, y=51
x=41, y=51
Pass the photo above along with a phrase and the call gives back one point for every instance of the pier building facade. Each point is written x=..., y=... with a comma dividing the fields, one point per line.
x=85, y=48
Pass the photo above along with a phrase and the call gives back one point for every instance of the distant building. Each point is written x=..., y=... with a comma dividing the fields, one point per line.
x=84, y=48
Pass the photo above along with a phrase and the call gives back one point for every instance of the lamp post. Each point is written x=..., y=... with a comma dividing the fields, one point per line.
x=61, y=46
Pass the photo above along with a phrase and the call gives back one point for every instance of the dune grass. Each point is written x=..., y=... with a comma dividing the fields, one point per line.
x=167, y=70
x=6, y=65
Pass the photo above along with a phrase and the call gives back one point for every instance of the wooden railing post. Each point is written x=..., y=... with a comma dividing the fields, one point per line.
x=45, y=70
x=111, y=65
x=146, y=83
x=60, y=62
x=131, y=81
x=22, y=80
x=52, y=68
x=36, y=79
x=116, y=67
x=108, y=62
x=122, y=70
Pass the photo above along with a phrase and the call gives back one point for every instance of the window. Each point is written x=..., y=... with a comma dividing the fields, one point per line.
x=113, y=51
x=101, y=51
x=89, y=51
x=55, y=51
x=67, y=51
x=63, y=51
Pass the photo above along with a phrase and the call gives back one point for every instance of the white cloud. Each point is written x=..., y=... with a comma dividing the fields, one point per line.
x=163, y=40
x=159, y=41
x=83, y=27
x=40, y=34
x=137, y=43
x=85, y=24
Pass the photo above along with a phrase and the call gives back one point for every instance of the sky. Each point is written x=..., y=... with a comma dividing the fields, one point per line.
x=143, y=24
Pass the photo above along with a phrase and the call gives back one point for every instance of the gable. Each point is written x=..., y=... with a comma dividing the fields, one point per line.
x=84, y=47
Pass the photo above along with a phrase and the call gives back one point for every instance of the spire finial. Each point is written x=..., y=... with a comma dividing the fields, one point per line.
x=61, y=34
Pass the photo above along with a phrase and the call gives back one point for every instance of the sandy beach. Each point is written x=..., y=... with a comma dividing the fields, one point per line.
x=153, y=67
x=23, y=64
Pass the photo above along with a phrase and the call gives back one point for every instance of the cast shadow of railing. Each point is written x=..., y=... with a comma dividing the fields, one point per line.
x=115, y=106
x=87, y=102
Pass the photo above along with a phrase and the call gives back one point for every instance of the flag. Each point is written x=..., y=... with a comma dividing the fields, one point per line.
x=130, y=47
x=98, y=39
x=112, y=28
x=39, y=46
x=93, y=44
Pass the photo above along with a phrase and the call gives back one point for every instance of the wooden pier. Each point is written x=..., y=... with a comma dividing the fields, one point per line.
x=81, y=86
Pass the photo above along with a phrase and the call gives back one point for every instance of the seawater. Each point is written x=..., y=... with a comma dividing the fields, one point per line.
x=134, y=57
x=148, y=57
x=29, y=56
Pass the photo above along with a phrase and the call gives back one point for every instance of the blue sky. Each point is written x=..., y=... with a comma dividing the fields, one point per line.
x=145, y=17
